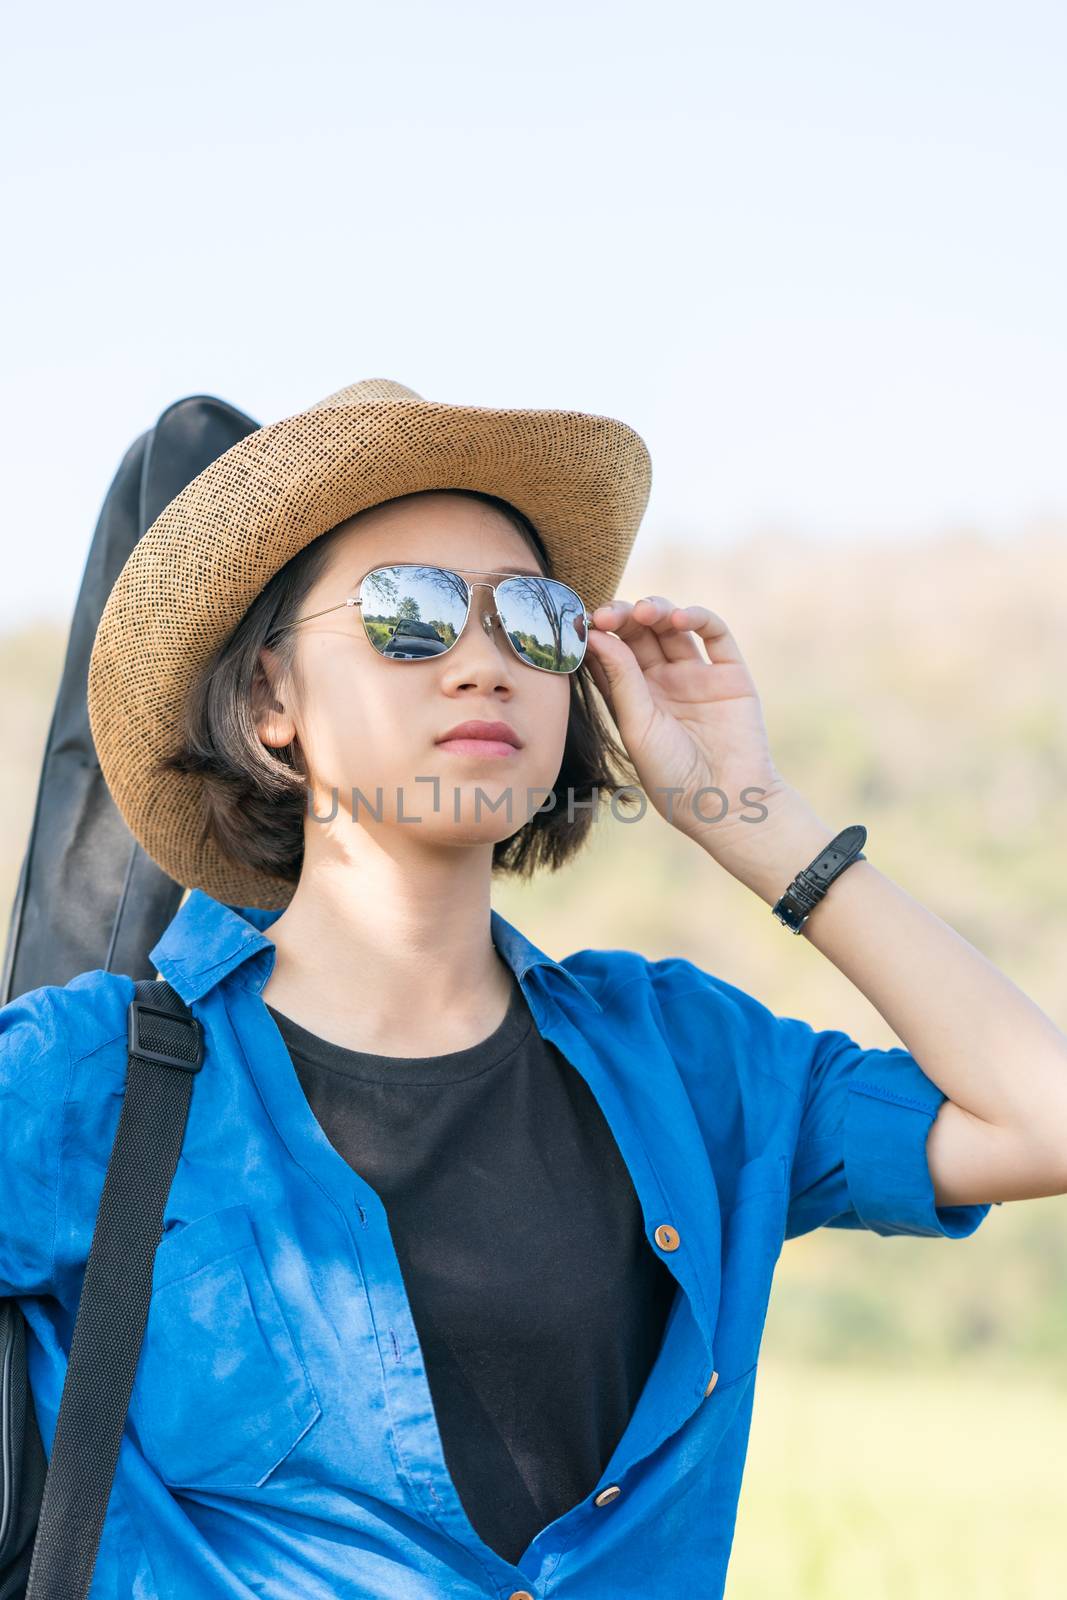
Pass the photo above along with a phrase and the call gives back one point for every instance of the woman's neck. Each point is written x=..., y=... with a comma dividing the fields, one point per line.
x=379, y=959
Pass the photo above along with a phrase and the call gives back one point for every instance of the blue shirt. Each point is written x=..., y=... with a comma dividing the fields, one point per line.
x=281, y=1440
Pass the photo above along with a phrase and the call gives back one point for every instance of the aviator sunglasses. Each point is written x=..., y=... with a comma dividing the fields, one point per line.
x=414, y=612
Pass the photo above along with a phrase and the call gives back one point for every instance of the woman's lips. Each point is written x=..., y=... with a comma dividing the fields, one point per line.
x=478, y=747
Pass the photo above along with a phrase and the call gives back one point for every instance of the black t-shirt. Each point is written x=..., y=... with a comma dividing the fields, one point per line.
x=538, y=1301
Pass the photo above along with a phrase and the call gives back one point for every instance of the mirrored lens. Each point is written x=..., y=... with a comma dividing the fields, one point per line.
x=545, y=621
x=413, y=612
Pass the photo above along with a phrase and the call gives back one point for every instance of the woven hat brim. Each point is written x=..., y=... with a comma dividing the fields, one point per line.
x=583, y=480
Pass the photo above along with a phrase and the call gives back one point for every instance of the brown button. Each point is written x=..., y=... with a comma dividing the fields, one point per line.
x=667, y=1237
x=712, y=1381
x=521, y=1594
x=608, y=1494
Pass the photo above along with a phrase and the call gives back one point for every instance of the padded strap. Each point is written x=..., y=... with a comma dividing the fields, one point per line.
x=113, y=1308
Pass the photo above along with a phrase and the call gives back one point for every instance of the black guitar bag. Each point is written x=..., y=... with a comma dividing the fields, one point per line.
x=89, y=897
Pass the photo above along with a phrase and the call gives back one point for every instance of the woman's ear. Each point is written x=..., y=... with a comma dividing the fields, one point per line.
x=273, y=722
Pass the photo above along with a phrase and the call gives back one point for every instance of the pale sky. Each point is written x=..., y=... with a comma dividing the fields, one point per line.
x=814, y=253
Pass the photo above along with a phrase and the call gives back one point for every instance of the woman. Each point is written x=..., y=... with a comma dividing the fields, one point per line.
x=467, y=1258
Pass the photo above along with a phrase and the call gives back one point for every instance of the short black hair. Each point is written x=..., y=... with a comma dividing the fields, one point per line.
x=254, y=798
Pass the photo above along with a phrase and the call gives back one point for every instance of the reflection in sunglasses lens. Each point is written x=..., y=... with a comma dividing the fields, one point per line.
x=414, y=612
x=545, y=622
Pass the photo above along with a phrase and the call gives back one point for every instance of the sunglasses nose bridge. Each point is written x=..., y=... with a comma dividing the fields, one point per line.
x=492, y=615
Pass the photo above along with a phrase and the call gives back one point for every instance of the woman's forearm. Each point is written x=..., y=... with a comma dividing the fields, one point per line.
x=996, y=1055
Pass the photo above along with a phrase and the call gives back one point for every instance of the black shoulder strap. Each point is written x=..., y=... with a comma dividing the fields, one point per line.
x=165, y=1050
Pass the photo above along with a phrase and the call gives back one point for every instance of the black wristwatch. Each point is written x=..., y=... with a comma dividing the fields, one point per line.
x=812, y=882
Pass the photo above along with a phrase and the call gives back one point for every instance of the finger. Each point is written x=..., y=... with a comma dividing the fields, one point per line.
x=630, y=701
x=672, y=626
x=600, y=678
x=717, y=638
x=618, y=618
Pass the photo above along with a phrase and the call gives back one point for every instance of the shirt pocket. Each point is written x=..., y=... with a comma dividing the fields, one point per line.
x=753, y=1234
x=222, y=1395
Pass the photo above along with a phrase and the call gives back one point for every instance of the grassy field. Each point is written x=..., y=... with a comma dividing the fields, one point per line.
x=871, y=1485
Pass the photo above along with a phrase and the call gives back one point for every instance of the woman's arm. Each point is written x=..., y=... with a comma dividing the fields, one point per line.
x=1002, y=1132
x=692, y=724
x=34, y=1064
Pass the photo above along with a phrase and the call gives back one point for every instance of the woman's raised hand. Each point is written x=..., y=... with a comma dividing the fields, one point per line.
x=689, y=720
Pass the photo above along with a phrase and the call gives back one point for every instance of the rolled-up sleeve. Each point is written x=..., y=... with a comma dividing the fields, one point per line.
x=860, y=1159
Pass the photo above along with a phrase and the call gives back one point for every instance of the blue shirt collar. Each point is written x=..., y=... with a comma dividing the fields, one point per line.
x=206, y=940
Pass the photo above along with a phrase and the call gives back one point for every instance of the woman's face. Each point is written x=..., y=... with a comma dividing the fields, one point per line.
x=367, y=723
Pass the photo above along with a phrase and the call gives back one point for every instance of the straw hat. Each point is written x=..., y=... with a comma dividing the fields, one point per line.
x=582, y=480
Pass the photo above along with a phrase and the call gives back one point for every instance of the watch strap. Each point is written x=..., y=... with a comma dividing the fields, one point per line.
x=811, y=883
